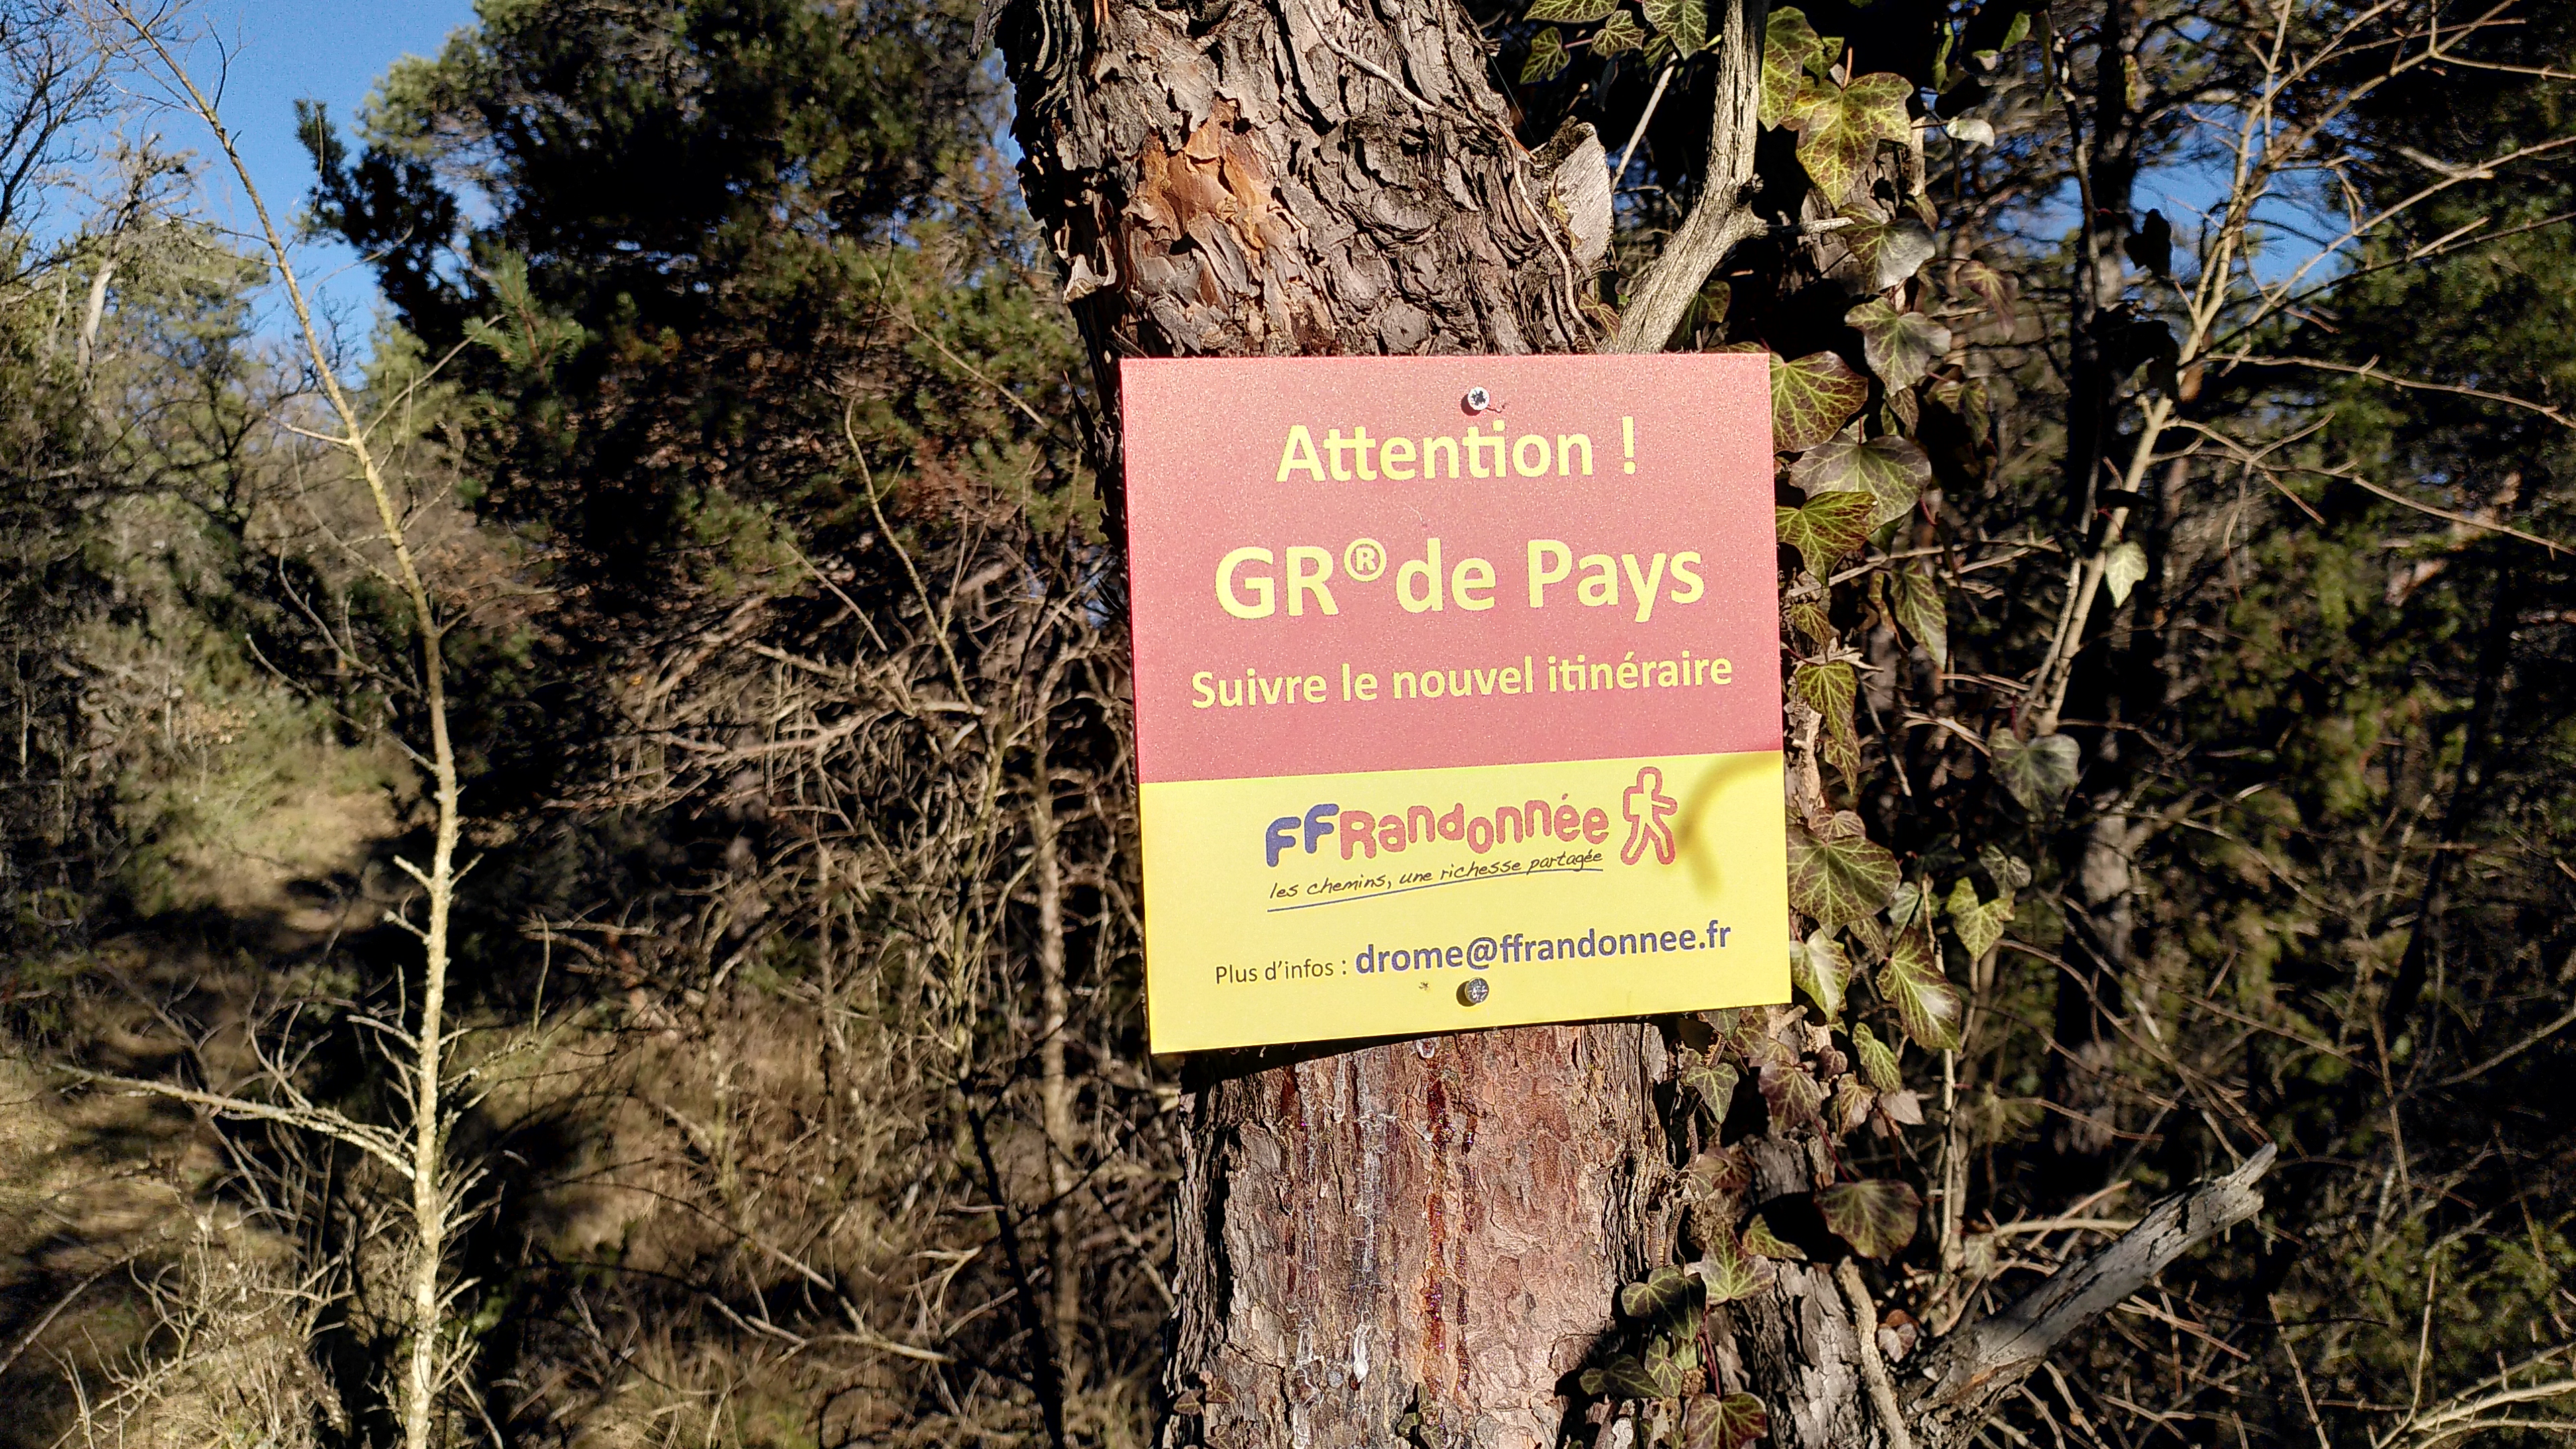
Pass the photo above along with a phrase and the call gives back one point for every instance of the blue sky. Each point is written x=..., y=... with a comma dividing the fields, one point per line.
x=282, y=51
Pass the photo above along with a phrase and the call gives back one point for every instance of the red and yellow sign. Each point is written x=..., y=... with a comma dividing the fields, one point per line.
x=1457, y=692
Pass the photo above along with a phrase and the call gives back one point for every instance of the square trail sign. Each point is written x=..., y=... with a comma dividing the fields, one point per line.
x=1457, y=692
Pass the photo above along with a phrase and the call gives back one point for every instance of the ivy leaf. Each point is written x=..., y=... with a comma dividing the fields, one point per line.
x=1811, y=399
x=1969, y=399
x=1819, y=968
x=1811, y=622
x=1993, y=290
x=1902, y=413
x=1666, y=1293
x=1684, y=22
x=1840, y=876
x=1714, y=1185
x=1790, y=50
x=1718, y=1172
x=1713, y=1221
x=1918, y=605
x=1710, y=1422
x=1970, y=131
x=1868, y=938
x=1899, y=346
x=1978, y=924
x=1622, y=1377
x=1852, y=1105
x=1547, y=56
x=1730, y=1273
x=1797, y=1099
x=1752, y=1042
x=1617, y=35
x=1826, y=529
x=1886, y=252
x=1830, y=690
x=1903, y=1107
x=2009, y=873
x=1571, y=12
x=1926, y=1002
x=1905, y=906
x=1891, y=470
x=1877, y=1059
x=1709, y=308
x=2122, y=568
x=1714, y=1081
x=2039, y=772
x=1674, y=1367
x=1839, y=128
x=1761, y=1242
x=1876, y=1217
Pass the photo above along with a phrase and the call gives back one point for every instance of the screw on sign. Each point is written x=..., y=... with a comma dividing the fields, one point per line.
x=1473, y=991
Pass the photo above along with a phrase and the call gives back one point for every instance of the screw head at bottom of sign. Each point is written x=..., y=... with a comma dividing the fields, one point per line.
x=1473, y=991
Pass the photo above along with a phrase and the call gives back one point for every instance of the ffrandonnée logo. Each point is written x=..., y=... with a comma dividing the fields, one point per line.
x=1645, y=807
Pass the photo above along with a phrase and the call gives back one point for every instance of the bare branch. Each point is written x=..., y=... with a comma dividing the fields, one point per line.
x=1722, y=218
x=369, y=1140
x=2374, y=373
x=1975, y=1368
x=36, y=1330
x=2489, y=525
x=1873, y=1368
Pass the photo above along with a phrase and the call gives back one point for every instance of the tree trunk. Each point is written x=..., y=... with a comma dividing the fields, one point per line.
x=1230, y=178
x=2083, y=1129
x=1431, y=1227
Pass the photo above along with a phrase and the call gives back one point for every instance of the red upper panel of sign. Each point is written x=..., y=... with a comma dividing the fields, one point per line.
x=1357, y=564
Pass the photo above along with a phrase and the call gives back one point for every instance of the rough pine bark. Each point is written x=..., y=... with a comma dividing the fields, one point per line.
x=1428, y=1230
x=1269, y=177
x=1431, y=1229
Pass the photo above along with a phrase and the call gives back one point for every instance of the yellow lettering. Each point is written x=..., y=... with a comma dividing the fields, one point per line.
x=1600, y=581
x=1299, y=453
x=1646, y=586
x=1265, y=601
x=1540, y=575
x=1432, y=448
x=1472, y=579
x=1417, y=584
x=1307, y=570
x=1522, y=449
x=1687, y=586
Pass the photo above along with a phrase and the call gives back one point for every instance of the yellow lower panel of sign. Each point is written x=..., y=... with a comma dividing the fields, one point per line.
x=1325, y=907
